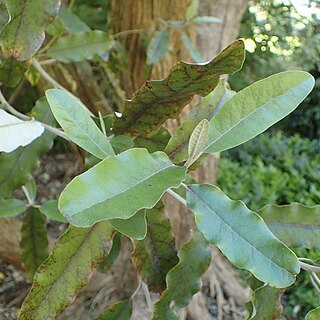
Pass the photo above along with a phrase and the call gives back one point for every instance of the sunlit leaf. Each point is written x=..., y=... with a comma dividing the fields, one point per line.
x=242, y=236
x=119, y=186
x=77, y=124
x=256, y=108
x=15, y=132
x=313, y=314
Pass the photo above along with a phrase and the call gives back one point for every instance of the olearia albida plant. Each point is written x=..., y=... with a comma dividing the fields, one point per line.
x=137, y=161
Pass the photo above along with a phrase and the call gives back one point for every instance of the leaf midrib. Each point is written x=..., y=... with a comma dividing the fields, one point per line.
x=171, y=165
x=234, y=231
x=251, y=113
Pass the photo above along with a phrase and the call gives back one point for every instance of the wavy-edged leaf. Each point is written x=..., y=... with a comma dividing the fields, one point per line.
x=16, y=166
x=24, y=33
x=266, y=303
x=11, y=207
x=107, y=263
x=193, y=51
x=134, y=227
x=122, y=310
x=66, y=271
x=77, y=124
x=81, y=46
x=313, y=314
x=155, y=255
x=158, y=46
x=296, y=225
x=177, y=148
x=50, y=210
x=15, y=132
x=184, y=280
x=197, y=141
x=12, y=71
x=119, y=186
x=159, y=100
x=257, y=107
x=34, y=241
x=156, y=142
x=242, y=236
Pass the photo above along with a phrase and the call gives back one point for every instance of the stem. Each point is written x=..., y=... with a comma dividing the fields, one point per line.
x=55, y=84
x=137, y=290
x=46, y=76
x=128, y=32
x=22, y=116
x=25, y=191
x=147, y=296
x=177, y=197
x=309, y=267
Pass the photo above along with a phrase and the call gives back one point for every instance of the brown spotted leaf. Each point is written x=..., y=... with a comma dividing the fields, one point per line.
x=34, y=241
x=24, y=34
x=155, y=255
x=159, y=100
x=66, y=270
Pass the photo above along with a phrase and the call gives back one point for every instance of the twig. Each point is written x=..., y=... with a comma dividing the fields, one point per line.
x=309, y=267
x=55, y=84
x=26, y=193
x=177, y=197
x=46, y=76
x=22, y=116
x=147, y=296
x=127, y=32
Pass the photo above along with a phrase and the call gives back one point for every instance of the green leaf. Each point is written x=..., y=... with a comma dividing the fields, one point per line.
x=66, y=271
x=134, y=227
x=242, y=236
x=155, y=255
x=77, y=124
x=296, y=225
x=158, y=46
x=177, y=148
x=156, y=142
x=313, y=314
x=121, y=143
x=159, y=100
x=11, y=207
x=193, y=51
x=12, y=71
x=81, y=46
x=256, y=108
x=34, y=241
x=50, y=210
x=107, y=263
x=119, y=186
x=31, y=188
x=266, y=303
x=72, y=22
x=184, y=280
x=24, y=34
x=197, y=141
x=122, y=310
x=16, y=167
